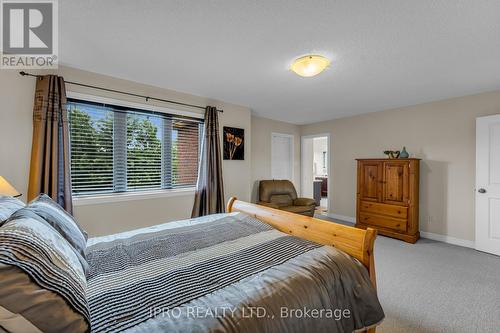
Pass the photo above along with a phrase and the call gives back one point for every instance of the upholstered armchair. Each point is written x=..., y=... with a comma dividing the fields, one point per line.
x=281, y=194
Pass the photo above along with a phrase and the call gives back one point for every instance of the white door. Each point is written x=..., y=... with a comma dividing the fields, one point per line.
x=282, y=156
x=488, y=184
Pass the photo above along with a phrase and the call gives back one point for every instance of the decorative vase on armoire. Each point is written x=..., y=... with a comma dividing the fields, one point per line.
x=387, y=197
x=404, y=153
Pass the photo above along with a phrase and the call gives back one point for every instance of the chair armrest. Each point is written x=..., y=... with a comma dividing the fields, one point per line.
x=304, y=202
x=268, y=204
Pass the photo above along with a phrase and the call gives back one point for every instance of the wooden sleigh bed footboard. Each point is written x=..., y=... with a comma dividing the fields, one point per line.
x=356, y=242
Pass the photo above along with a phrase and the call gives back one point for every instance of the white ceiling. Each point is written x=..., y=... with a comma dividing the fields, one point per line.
x=386, y=53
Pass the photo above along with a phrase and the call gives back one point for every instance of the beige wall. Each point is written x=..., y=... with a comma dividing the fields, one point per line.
x=16, y=102
x=441, y=133
x=261, y=150
x=16, y=105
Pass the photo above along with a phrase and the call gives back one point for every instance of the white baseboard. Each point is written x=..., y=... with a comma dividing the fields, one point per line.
x=423, y=234
x=342, y=217
x=447, y=239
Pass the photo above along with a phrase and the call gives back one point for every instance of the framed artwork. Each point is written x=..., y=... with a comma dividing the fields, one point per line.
x=234, y=143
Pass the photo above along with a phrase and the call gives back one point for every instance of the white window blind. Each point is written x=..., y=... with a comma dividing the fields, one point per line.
x=119, y=149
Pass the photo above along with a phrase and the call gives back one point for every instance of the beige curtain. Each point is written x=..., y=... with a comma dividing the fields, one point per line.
x=50, y=168
x=209, y=197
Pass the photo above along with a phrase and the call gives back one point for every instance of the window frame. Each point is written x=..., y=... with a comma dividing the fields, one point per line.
x=96, y=198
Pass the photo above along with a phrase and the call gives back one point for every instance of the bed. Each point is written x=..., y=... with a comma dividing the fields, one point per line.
x=252, y=269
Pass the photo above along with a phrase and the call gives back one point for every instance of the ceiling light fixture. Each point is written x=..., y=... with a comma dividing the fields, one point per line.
x=310, y=65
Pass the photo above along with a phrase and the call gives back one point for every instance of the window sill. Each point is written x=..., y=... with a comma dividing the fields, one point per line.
x=131, y=196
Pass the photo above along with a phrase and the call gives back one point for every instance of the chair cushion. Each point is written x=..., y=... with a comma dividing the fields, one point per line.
x=268, y=204
x=304, y=202
x=8, y=206
x=281, y=200
x=297, y=209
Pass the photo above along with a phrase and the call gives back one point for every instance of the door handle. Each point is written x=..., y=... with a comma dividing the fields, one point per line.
x=481, y=190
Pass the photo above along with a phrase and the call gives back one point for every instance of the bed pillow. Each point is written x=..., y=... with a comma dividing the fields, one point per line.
x=42, y=282
x=8, y=205
x=60, y=220
x=76, y=241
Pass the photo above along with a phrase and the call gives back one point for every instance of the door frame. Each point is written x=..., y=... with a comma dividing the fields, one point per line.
x=329, y=162
x=292, y=148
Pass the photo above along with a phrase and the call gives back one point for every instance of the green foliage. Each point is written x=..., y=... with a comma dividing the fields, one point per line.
x=143, y=153
x=92, y=152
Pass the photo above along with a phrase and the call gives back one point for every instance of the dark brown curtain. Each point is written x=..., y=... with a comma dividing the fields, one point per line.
x=50, y=168
x=209, y=197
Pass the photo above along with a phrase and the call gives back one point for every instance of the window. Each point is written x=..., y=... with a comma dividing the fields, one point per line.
x=119, y=149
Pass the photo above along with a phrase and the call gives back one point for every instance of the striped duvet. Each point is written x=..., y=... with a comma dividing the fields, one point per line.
x=226, y=261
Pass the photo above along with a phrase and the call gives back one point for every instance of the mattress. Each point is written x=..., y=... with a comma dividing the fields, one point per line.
x=225, y=273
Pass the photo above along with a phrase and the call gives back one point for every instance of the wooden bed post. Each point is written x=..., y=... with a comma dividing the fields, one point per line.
x=369, y=248
x=229, y=206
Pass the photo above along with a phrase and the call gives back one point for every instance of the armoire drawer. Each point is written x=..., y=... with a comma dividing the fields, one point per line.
x=385, y=209
x=382, y=221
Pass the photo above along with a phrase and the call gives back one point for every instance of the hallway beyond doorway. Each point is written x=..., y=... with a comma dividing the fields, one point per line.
x=315, y=160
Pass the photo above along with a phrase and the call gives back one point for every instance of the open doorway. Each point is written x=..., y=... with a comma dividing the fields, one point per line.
x=315, y=158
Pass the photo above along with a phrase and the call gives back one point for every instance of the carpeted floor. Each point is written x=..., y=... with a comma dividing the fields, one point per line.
x=436, y=287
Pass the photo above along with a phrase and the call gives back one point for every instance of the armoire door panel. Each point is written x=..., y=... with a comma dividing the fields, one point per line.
x=370, y=176
x=395, y=183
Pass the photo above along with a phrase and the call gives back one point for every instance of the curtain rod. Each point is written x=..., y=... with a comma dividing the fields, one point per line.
x=147, y=98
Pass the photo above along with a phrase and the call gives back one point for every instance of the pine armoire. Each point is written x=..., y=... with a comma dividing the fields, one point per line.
x=387, y=197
